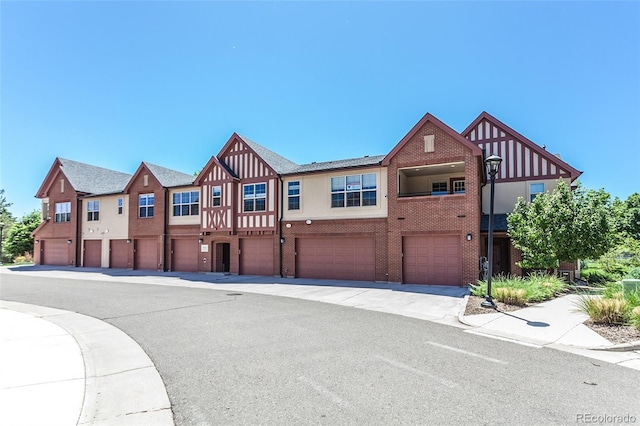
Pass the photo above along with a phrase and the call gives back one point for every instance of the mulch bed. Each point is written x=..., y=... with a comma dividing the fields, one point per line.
x=616, y=334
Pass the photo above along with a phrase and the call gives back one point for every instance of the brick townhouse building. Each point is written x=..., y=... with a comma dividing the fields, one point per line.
x=417, y=214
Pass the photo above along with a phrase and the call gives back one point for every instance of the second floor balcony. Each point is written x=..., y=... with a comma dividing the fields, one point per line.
x=432, y=180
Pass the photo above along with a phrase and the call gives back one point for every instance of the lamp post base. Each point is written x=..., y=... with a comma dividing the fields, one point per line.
x=489, y=303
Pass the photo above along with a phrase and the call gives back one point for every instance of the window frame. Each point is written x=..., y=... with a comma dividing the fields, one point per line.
x=216, y=196
x=93, y=211
x=120, y=206
x=534, y=194
x=293, y=195
x=186, y=205
x=148, y=208
x=354, y=190
x=62, y=212
x=256, y=200
x=439, y=191
x=455, y=181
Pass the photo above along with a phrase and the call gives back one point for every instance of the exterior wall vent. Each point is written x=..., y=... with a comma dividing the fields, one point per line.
x=429, y=143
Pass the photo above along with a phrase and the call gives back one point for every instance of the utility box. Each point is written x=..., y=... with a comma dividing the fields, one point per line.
x=567, y=275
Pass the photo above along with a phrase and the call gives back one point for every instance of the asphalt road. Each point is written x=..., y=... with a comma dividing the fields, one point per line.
x=240, y=358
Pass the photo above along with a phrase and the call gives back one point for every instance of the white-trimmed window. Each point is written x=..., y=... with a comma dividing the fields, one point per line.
x=535, y=189
x=458, y=186
x=439, y=188
x=293, y=194
x=354, y=190
x=145, y=205
x=186, y=203
x=216, y=196
x=93, y=211
x=120, y=206
x=63, y=212
x=254, y=197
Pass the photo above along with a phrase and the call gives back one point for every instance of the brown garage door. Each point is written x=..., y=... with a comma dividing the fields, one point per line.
x=433, y=260
x=56, y=252
x=146, y=256
x=118, y=254
x=256, y=256
x=184, y=255
x=338, y=258
x=92, y=253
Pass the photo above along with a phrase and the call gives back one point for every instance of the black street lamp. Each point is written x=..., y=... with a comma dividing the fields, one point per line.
x=493, y=164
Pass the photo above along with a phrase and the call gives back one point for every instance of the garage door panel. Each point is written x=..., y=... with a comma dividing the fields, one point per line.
x=434, y=260
x=56, y=252
x=339, y=258
x=92, y=257
x=184, y=256
x=256, y=256
x=146, y=256
x=118, y=254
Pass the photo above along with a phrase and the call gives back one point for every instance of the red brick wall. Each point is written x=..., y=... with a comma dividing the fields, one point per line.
x=376, y=228
x=448, y=214
x=60, y=230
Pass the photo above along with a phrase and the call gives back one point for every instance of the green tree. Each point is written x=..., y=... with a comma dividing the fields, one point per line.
x=7, y=220
x=19, y=240
x=626, y=215
x=562, y=226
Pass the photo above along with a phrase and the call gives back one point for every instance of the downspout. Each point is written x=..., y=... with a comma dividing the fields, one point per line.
x=281, y=243
x=165, y=230
x=78, y=235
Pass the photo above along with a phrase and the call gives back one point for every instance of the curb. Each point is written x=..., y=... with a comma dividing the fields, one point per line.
x=122, y=385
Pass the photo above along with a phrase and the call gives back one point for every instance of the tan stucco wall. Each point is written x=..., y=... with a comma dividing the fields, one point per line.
x=183, y=220
x=507, y=193
x=315, y=197
x=110, y=226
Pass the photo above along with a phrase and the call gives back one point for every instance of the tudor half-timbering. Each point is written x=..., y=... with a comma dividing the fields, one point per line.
x=416, y=215
x=240, y=211
x=527, y=170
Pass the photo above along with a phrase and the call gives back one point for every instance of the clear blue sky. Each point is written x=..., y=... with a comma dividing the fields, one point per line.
x=117, y=83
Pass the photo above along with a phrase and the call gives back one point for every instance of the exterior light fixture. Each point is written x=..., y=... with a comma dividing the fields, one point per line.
x=493, y=165
x=68, y=241
x=469, y=237
x=128, y=241
x=200, y=240
x=308, y=222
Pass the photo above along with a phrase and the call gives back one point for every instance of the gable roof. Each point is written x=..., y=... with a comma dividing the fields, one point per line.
x=424, y=120
x=169, y=178
x=277, y=162
x=215, y=161
x=86, y=178
x=554, y=159
x=166, y=177
x=374, y=160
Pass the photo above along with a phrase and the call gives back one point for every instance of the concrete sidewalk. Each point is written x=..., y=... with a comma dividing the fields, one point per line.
x=79, y=370
x=63, y=368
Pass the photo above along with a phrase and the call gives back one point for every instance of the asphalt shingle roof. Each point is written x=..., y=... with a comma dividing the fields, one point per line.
x=277, y=162
x=93, y=179
x=170, y=178
x=340, y=164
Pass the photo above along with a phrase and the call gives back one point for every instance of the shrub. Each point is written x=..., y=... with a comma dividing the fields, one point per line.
x=635, y=317
x=633, y=273
x=598, y=276
x=511, y=296
x=535, y=288
x=605, y=311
